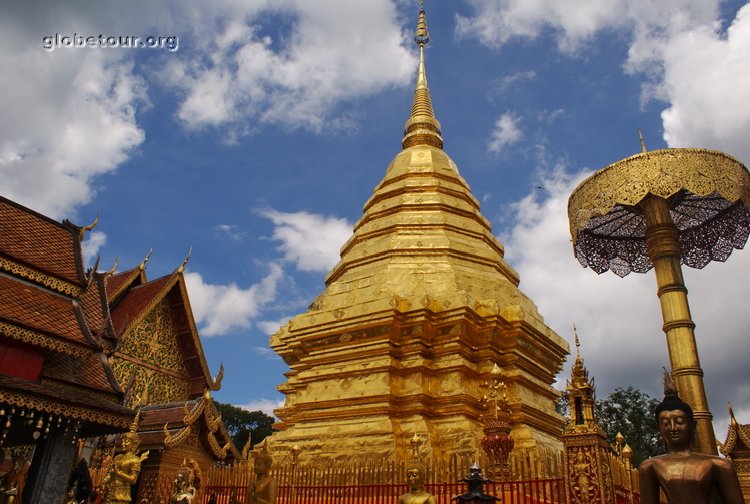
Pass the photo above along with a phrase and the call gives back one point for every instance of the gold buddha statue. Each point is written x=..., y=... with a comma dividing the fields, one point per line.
x=685, y=477
x=416, y=494
x=264, y=489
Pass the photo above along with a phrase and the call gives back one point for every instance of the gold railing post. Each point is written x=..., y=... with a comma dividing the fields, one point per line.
x=663, y=247
x=295, y=454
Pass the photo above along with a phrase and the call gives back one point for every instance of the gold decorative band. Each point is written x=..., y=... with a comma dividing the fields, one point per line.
x=37, y=276
x=42, y=340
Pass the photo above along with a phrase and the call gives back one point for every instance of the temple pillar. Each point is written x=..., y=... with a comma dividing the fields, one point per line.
x=47, y=479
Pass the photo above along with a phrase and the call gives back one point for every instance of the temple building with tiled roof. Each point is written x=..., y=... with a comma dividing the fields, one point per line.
x=56, y=384
x=159, y=359
x=736, y=447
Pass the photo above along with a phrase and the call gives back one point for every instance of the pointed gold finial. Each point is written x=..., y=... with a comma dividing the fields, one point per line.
x=185, y=261
x=732, y=419
x=91, y=226
x=421, y=35
x=578, y=343
x=422, y=128
x=142, y=266
x=643, y=142
x=114, y=268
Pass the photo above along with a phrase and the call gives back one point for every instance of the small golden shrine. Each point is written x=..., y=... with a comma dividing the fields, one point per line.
x=56, y=385
x=415, y=314
x=587, y=460
x=736, y=447
x=159, y=359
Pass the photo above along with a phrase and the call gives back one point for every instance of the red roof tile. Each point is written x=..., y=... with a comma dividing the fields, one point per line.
x=38, y=309
x=118, y=281
x=91, y=373
x=133, y=303
x=39, y=242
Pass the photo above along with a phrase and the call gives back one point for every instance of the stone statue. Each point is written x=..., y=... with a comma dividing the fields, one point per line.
x=263, y=489
x=685, y=477
x=416, y=494
x=124, y=470
x=186, y=483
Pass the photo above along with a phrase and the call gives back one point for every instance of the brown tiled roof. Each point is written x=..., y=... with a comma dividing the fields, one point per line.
x=39, y=242
x=135, y=301
x=154, y=416
x=93, y=373
x=95, y=307
x=119, y=281
x=31, y=307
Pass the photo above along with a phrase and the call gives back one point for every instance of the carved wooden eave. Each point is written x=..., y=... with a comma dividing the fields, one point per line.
x=202, y=419
x=738, y=437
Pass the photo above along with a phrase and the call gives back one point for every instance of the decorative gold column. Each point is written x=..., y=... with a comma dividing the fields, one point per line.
x=662, y=209
x=662, y=243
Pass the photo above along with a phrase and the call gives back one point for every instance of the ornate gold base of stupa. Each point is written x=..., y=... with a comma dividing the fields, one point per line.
x=420, y=308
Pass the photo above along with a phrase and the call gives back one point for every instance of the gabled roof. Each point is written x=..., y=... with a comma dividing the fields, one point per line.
x=118, y=283
x=39, y=248
x=51, y=311
x=168, y=425
x=136, y=302
x=738, y=437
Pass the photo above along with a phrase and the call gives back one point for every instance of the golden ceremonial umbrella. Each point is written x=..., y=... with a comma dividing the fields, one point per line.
x=661, y=209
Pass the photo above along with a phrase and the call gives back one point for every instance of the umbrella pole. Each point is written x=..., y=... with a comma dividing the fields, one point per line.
x=662, y=242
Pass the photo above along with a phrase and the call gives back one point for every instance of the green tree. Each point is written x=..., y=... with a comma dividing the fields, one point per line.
x=240, y=423
x=630, y=412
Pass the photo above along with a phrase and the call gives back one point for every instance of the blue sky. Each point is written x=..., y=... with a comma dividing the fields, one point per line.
x=258, y=140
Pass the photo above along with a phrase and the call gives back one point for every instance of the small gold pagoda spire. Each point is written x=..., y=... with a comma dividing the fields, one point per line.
x=422, y=128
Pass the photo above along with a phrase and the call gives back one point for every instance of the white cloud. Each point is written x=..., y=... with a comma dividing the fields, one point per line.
x=271, y=326
x=618, y=319
x=505, y=133
x=329, y=56
x=69, y=118
x=312, y=242
x=230, y=231
x=94, y=241
x=576, y=22
x=677, y=47
x=70, y=115
x=265, y=405
x=707, y=83
x=219, y=309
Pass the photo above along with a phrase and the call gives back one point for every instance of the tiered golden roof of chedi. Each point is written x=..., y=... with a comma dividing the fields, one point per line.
x=413, y=317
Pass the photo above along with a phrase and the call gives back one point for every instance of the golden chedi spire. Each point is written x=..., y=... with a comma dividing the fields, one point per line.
x=422, y=128
x=420, y=304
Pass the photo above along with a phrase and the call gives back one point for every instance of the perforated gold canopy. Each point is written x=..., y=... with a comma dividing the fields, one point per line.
x=709, y=196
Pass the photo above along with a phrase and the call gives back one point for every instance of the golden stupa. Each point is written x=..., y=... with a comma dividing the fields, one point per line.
x=412, y=320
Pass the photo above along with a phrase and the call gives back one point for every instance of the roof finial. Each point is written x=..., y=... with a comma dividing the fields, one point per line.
x=142, y=266
x=422, y=128
x=578, y=343
x=421, y=35
x=643, y=142
x=185, y=261
x=91, y=226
